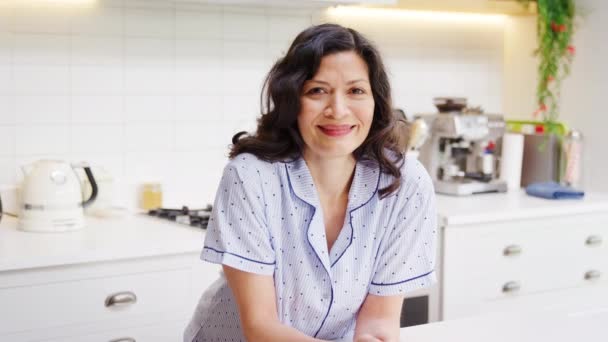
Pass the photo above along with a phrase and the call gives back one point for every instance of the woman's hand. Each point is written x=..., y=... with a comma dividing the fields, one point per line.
x=367, y=338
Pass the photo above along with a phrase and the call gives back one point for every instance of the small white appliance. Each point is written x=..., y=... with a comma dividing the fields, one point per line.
x=52, y=198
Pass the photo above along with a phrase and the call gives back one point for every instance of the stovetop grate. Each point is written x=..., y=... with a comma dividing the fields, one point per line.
x=192, y=217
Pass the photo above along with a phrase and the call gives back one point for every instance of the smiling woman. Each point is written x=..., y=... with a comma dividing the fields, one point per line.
x=319, y=221
x=278, y=136
x=336, y=103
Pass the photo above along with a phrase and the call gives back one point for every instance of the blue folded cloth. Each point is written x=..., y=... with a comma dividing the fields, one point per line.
x=553, y=190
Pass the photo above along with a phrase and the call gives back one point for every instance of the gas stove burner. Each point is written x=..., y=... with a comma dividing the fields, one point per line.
x=185, y=215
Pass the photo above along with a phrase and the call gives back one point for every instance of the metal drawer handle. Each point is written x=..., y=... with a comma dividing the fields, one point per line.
x=593, y=240
x=592, y=275
x=512, y=250
x=123, y=339
x=511, y=286
x=121, y=299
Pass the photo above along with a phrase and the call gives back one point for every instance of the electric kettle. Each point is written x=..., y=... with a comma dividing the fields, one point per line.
x=52, y=198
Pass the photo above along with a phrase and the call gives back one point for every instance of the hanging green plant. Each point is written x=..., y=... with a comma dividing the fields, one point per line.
x=555, y=28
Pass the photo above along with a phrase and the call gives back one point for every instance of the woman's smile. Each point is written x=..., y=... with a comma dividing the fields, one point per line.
x=336, y=130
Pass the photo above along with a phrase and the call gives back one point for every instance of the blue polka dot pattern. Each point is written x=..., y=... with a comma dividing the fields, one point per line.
x=267, y=219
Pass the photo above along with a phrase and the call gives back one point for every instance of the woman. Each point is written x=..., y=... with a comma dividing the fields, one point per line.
x=319, y=222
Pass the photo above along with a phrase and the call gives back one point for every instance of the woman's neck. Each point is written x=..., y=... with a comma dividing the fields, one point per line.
x=332, y=176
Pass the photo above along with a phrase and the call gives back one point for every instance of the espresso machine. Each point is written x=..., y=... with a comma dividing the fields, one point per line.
x=462, y=153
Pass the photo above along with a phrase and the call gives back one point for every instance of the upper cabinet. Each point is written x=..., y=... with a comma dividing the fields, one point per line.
x=296, y=3
x=510, y=7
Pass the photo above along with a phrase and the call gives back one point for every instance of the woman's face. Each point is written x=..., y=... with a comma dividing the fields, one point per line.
x=337, y=106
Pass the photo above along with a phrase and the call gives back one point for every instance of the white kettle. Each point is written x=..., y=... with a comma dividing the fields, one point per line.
x=51, y=197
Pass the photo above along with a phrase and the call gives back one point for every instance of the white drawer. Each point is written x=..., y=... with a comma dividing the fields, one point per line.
x=553, y=256
x=79, y=301
x=153, y=333
x=588, y=254
x=581, y=298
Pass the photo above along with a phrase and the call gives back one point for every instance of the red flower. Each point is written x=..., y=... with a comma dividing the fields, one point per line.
x=571, y=49
x=550, y=78
x=558, y=27
x=540, y=109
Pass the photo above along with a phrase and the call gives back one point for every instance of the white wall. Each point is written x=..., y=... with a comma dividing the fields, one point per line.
x=585, y=91
x=153, y=90
x=520, y=68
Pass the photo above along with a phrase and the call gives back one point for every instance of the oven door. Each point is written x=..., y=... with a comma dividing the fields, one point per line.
x=420, y=307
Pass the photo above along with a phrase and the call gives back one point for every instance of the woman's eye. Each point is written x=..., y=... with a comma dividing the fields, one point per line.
x=316, y=90
x=358, y=91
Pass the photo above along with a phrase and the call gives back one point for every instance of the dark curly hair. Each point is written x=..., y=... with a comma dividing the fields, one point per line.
x=277, y=137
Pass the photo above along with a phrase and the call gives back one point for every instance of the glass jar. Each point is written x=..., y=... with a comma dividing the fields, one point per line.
x=572, y=160
x=151, y=196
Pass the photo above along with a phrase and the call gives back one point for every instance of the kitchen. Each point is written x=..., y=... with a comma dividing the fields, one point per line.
x=150, y=92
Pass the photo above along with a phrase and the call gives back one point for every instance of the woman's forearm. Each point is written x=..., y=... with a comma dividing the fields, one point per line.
x=274, y=331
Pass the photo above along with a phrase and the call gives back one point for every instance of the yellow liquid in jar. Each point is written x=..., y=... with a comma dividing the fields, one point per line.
x=152, y=197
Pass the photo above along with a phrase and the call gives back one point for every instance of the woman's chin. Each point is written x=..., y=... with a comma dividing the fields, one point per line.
x=332, y=152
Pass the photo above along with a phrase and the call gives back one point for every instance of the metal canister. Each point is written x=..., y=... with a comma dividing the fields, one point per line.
x=572, y=160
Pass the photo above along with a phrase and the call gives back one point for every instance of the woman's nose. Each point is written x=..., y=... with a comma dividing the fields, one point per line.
x=337, y=107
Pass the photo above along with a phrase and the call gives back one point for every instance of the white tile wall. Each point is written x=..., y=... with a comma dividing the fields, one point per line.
x=154, y=90
x=41, y=79
x=98, y=139
x=106, y=109
x=7, y=141
x=35, y=139
x=42, y=109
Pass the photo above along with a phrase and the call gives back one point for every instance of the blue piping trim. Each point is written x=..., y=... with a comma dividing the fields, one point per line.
x=404, y=281
x=314, y=210
x=240, y=256
x=352, y=229
x=331, y=301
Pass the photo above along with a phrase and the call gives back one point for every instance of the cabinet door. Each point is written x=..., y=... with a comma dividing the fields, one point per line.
x=152, y=333
x=108, y=299
x=587, y=253
x=501, y=261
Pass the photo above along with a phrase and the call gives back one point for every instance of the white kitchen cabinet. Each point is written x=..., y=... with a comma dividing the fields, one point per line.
x=294, y=3
x=54, y=287
x=509, y=7
x=149, y=333
x=522, y=253
x=135, y=279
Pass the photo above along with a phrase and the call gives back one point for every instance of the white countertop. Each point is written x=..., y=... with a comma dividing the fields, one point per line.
x=103, y=239
x=548, y=325
x=515, y=205
x=138, y=235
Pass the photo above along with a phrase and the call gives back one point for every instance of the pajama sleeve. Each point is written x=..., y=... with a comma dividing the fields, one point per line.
x=406, y=260
x=237, y=233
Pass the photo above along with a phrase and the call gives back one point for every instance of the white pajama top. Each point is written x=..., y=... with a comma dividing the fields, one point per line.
x=267, y=219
